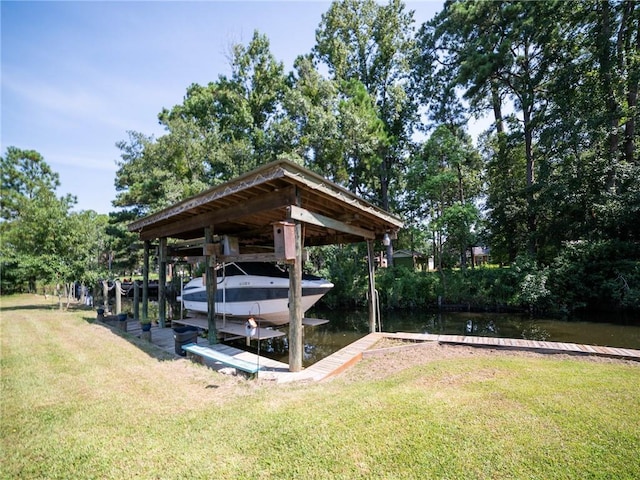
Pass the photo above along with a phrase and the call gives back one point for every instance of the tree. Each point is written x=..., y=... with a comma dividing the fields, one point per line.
x=590, y=136
x=24, y=174
x=445, y=183
x=311, y=104
x=506, y=202
x=44, y=241
x=372, y=43
x=220, y=131
x=497, y=49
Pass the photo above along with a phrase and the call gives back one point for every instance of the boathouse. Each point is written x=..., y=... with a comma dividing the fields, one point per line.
x=271, y=214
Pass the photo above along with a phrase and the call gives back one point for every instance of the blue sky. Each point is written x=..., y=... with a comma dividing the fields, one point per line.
x=76, y=76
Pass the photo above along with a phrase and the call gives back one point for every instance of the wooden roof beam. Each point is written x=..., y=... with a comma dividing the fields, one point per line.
x=261, y=203
x=303, y=215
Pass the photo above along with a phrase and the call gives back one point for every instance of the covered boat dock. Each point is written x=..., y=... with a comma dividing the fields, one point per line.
x=269, y=214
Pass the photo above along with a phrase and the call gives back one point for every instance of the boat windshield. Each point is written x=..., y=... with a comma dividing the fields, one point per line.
x=259, y=269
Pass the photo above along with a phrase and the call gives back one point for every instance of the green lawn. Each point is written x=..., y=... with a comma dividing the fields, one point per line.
x=80, y=401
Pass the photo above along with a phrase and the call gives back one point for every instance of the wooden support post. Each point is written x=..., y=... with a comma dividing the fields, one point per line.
x=118, y=297
x=145, y=282
x=105, y=296
x=162, y=282
x=212, y=285
x=136, y=301
x=372, y=287
x=295, y=304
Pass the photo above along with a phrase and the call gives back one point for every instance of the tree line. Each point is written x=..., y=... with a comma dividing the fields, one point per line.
x=381, y=106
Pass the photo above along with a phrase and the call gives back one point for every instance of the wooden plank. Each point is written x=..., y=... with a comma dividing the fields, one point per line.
x=303, y=215
x=249, y=257
x=193, y=322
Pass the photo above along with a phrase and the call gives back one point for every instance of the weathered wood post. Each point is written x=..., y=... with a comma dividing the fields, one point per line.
x=136, y=301
x=118, y=297
x=145, y=282
x=162, y=281
x=105, y=296
x=372, y=287
x=295, y=303
x=212, y=285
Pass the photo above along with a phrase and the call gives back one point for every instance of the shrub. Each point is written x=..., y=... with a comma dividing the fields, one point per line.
x=596, y=275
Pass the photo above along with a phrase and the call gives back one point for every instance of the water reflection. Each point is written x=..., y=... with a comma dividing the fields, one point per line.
x=347, y=326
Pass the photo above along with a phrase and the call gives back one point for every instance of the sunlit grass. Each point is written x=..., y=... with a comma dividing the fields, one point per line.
x=80, y=401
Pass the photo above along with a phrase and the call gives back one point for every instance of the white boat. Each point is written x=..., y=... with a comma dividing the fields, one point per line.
x=253, y=290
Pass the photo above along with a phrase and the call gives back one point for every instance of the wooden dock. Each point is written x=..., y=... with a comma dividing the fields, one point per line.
x=348, y=356
x=339, y=361
x=521, y=344
x=163, y=338
x=234, y=329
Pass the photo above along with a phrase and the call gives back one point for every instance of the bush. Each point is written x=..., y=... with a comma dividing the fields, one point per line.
x=600, y=275
x=400, y=287
x=493, y=288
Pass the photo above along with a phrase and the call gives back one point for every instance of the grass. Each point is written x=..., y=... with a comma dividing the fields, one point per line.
x=81, y=401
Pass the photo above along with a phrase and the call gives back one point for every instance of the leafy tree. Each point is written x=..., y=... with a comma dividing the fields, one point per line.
x=444, y=183
x=44, y=242
x=590, y=135
x=24, y=174
x=498, y=49
x=122, y=249
x=505, y=199
x=372, y=43
x=219, y=131
x=311, y=104
x=338, y=131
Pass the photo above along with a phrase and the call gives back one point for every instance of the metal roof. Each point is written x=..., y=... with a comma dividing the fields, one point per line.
x=249, y=205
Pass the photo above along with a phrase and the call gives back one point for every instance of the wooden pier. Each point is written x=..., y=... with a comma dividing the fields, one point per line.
x=235, y=329
x=521, y=344
x=346, y=357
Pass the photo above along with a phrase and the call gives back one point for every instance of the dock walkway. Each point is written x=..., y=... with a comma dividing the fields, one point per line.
x=351, y=354
x=521, y=344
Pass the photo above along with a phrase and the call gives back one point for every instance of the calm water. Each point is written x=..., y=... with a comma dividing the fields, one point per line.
x=347, y=326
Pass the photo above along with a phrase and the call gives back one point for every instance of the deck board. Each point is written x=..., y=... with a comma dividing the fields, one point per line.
x=525, y=344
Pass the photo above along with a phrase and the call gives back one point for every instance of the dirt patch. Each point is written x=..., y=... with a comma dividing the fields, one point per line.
x=390, y=356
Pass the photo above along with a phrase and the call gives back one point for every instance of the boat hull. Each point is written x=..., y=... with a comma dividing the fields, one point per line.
x=264, y=298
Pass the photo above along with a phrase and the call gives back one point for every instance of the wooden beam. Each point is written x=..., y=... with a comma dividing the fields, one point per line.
x=162, y=281
x=372, y=301
x=145, y=281
x=249, y=257
x=211, y=287
x=303, y=215
x=261, y=203
x=296, y=343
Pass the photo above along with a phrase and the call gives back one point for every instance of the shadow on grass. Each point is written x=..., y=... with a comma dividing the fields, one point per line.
x=15, y=308
x=149, y=348
x=47, y=305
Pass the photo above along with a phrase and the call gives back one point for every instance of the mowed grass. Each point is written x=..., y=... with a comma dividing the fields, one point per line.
x=81, y=401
